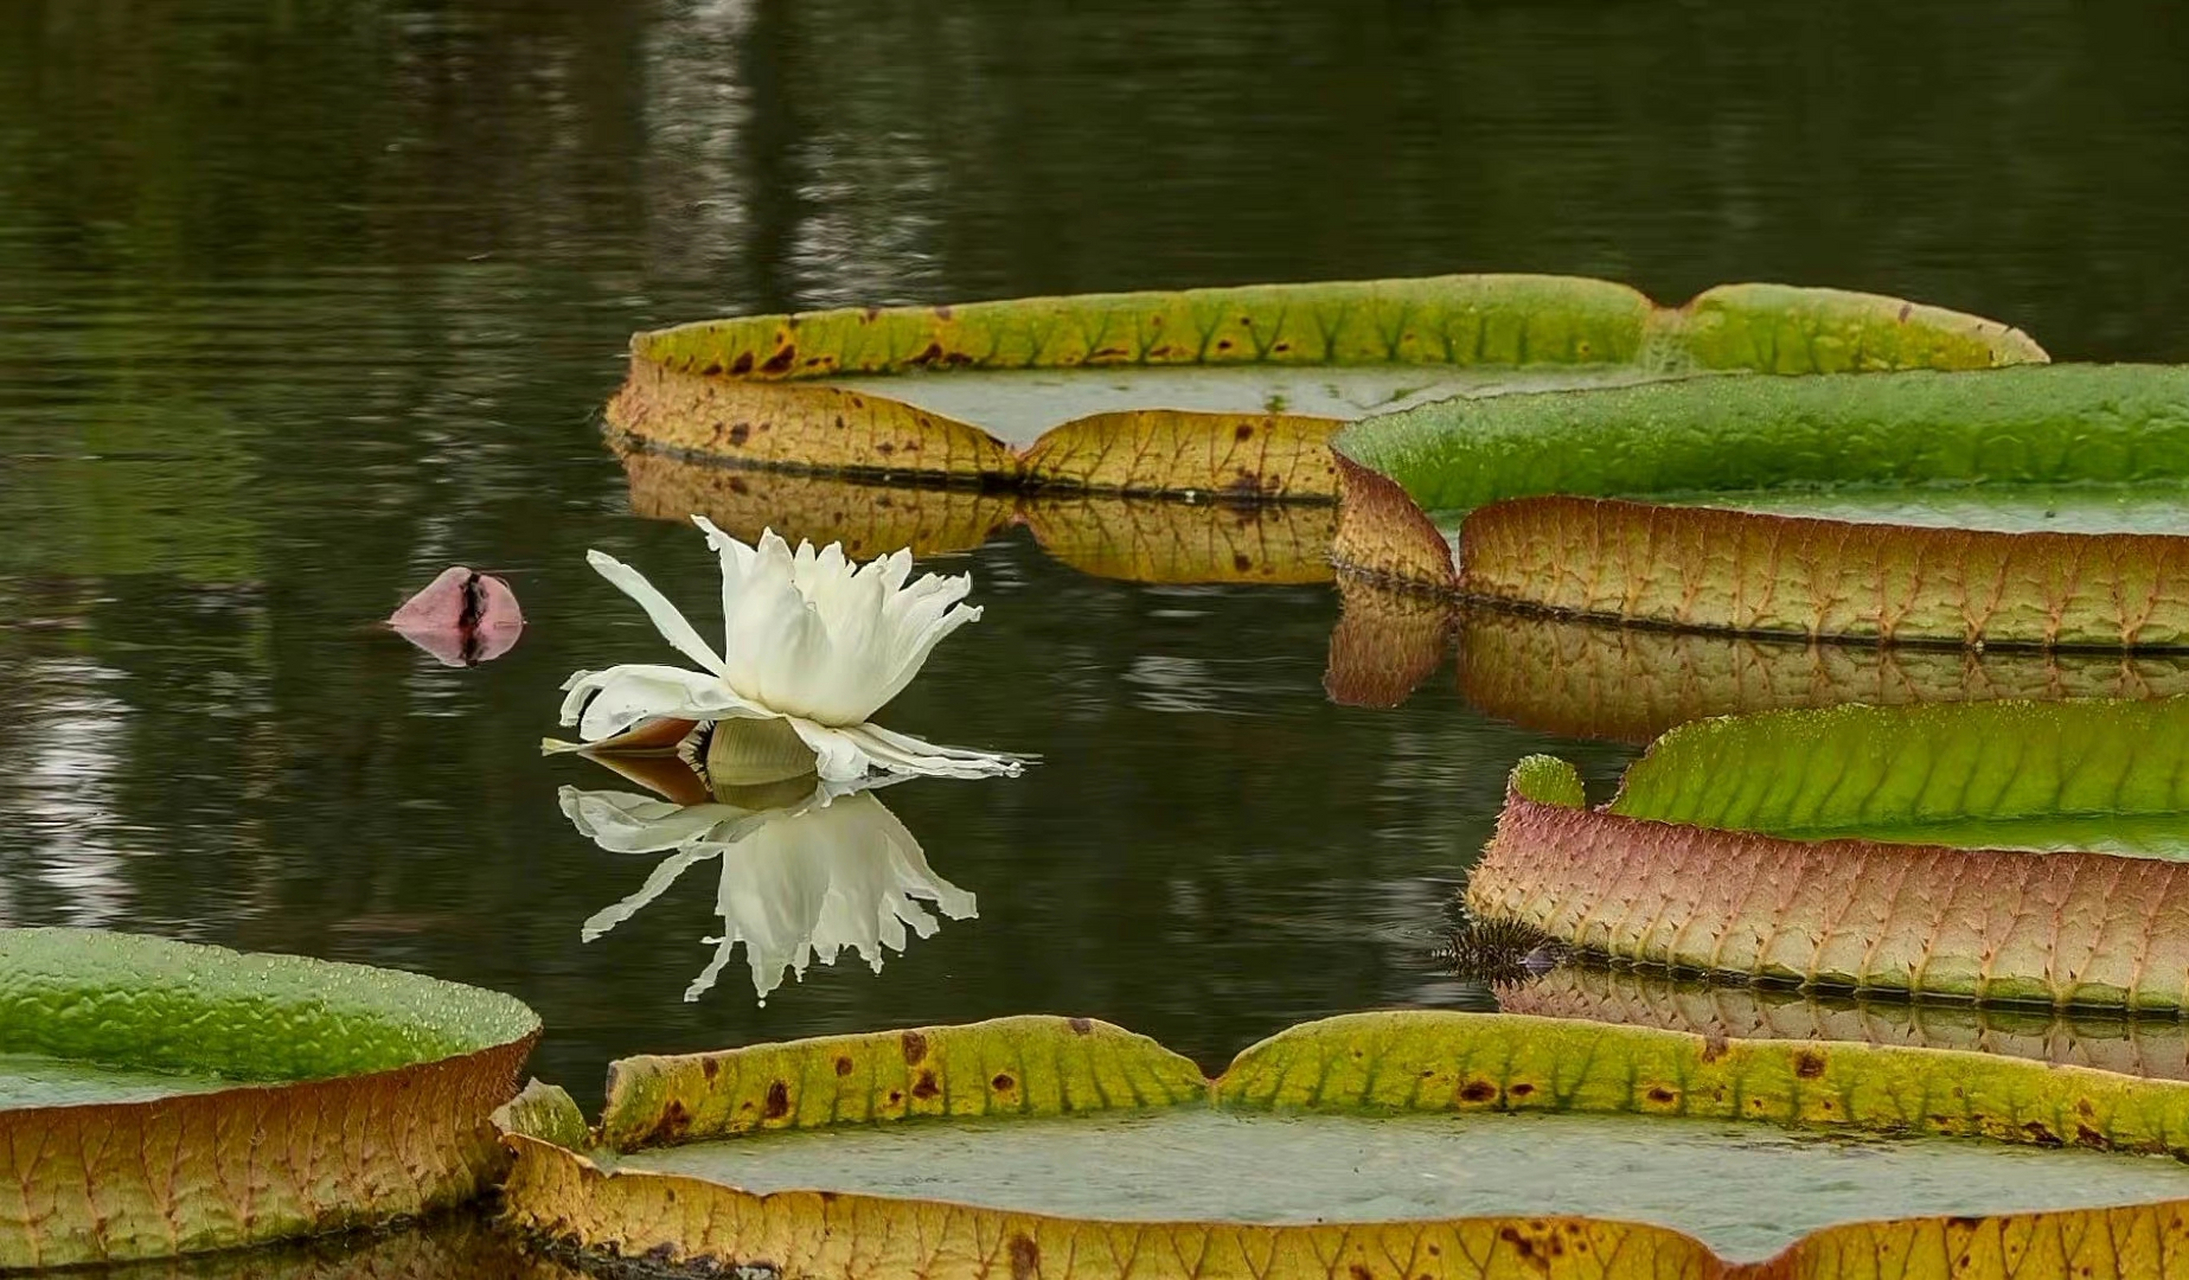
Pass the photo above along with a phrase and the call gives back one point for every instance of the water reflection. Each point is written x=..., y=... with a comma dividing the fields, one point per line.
x=807, y=867
x=2148, y=1046
x=1580, y=678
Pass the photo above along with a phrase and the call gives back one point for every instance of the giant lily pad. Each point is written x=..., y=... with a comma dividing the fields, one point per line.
x=2157, y=1047
x=971, y=1152
x=165, y=1098
x=1230, y=391
x=1885, y=871
x=2015, y=506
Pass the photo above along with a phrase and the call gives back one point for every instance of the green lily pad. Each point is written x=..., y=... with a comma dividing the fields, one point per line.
x=2016, y=506
x=1361, y=1146
x=169, y=1098
x=1231, y=391
x=1728, y=851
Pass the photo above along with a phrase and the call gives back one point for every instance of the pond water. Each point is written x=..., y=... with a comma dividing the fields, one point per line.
x=1748, y=1191
x=300, y=304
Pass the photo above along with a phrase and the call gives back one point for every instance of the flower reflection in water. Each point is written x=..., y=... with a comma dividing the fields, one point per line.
x=808, y=866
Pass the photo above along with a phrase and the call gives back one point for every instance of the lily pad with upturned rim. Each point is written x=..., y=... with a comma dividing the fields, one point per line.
x=312, y=1096
x=1803, y=848
x=594, y=1189
x=1584, y=504
x=842, y=391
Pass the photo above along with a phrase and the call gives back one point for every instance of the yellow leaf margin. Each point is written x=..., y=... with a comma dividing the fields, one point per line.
x=1360, y=1063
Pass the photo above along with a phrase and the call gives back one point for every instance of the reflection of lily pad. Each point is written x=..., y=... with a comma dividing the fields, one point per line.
x=1677, y=871
x=309, y=1096
x=1545, y=485
x=450, y=1247
x=691, y=1164
x=1229, y=391
x=1105, y=534
x=2156, y=1047
x=1629, y=684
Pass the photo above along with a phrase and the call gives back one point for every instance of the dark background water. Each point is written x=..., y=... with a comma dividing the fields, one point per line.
x=301, y=300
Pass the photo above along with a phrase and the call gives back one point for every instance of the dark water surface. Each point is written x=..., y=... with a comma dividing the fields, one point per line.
x=303, y=300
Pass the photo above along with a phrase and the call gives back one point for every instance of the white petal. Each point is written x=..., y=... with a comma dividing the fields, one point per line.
x=838, y=757
x=871, y=746
x=736, y=560
x=666, y=619
x=915, y=651
x=605, y=703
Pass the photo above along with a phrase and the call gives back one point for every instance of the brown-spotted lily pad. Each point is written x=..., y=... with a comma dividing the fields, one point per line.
x=162, y=1098
x=1380, y=1145
x=1226, y=391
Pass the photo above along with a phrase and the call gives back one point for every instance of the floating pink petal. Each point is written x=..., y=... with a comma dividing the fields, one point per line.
x=462, y=618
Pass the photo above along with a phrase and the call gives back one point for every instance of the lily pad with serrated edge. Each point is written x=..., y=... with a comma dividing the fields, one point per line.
x=580, y=1185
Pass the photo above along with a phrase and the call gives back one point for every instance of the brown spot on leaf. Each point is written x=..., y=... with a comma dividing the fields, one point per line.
x=710, y=1067
x=1359, y=1272
x=1477, y=1091
x=675, y=1122
x=1003, y=1082
x=1223, y=344
x=1025, y=1257
x=743, y=363
x=1245, y=431
x=1905, y=309
x=1714, y=1048
x=1808, y=1064
x=1081, y=1026
x=843, y=1065
x=885, y=448
x=2090, y=1137
x=740, y=432
x=778, y=1104
x=1521, y=1090
x=780, y=361
x=1661, y=1095
x=2039, y=1134
x=929, y=356
x=926, y=1087
x=1241, y=561
x=942, y=313
x=915, y=1047
x=738, y=485
x=713, y=368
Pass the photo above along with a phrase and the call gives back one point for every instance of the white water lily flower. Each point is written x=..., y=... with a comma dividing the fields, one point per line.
x=798, y=883
x=810, y=638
